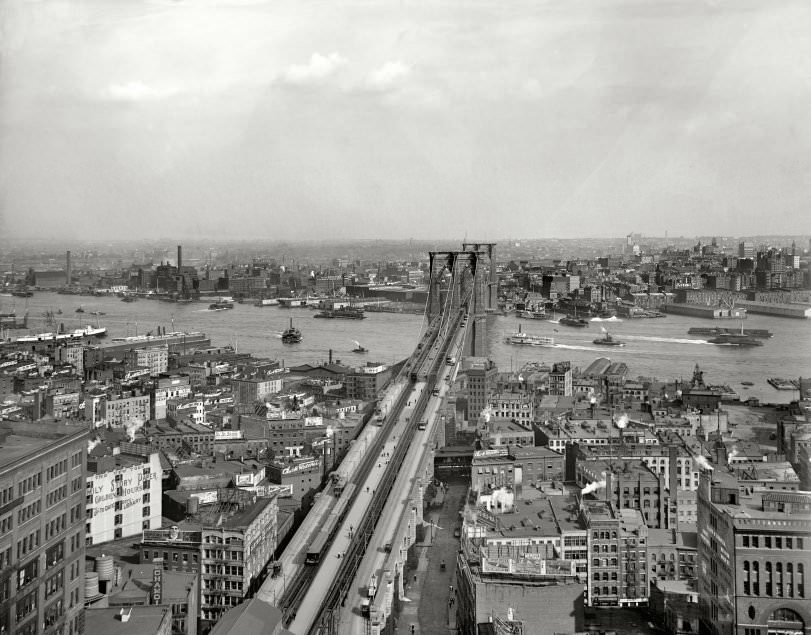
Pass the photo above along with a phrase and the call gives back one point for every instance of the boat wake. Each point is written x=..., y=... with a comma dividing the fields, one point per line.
x=667, y=340
x=613, y=318
x=554, y=321
x=572, y=347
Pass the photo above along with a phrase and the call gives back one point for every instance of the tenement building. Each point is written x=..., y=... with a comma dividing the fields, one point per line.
x=42, y=512
x=754, y=551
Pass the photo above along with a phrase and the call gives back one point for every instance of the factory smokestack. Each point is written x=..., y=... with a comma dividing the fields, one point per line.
x=179, y=256
x=68, y=271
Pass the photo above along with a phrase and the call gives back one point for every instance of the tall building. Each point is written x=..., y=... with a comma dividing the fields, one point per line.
x=481, y=377
x=746, y=249
x=560, y=379
x=618, y=560
x=229, y=537
x=123, y=494
x=42, y=510
x=754, y=550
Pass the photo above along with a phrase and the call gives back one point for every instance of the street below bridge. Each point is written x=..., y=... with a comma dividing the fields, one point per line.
x=429, y=608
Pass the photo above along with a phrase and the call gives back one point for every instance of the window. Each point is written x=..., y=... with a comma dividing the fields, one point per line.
x=746, y=577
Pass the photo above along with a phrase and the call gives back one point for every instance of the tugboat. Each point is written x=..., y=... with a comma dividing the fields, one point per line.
x=291, y=335
x=80, y=309
x=359, y=349
x=220, y=306
x=608, y=340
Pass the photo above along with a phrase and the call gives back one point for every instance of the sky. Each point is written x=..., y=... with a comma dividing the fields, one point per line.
x=296, y=119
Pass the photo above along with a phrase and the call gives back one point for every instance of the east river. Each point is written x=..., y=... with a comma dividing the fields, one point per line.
x=659, y=347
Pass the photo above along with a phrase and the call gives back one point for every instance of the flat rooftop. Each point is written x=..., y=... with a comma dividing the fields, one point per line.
x=21, y=439
x=144, y=620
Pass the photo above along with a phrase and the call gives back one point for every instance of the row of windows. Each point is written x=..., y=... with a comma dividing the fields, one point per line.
x=57, y=469
x=779, y=579
x=29, y=484
x=56, y=526
x=27, y=605
x=6, y=524
x=28, y=543
x=6, y=495
x=55, y=496
x=75, y=513
x=54, y=583
x=76, y=459
x=772, y=542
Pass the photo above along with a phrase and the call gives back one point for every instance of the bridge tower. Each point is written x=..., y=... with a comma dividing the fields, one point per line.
x=491, y=281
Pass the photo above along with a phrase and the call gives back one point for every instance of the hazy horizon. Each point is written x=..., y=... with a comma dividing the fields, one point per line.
x=246, y=119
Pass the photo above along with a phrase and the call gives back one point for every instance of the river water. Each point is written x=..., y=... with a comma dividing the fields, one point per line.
x=658, y=347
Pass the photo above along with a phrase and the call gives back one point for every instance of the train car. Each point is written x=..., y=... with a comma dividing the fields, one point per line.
x=317, y=548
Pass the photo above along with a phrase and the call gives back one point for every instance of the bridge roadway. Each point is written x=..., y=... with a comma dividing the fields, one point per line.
x=392, y=506
x=287, y=588
x=379, y=560
x=283, y=589
x=327, y=573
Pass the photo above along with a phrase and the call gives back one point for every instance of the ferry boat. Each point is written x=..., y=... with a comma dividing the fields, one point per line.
x=292, y=303
x=719, y=330
x=608, y=340
x=533, y=315
x=525, y=339
x=736, y=339
x=783, y=384
x=174, y=337
x=571, y=320
x=346, y=313
x=266, y=302
x=291, y=335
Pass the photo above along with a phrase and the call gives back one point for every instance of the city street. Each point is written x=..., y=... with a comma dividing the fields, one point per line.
x=429, y=608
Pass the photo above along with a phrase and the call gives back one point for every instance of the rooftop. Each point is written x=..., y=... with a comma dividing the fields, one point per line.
x=143, y=620
x=19, y=440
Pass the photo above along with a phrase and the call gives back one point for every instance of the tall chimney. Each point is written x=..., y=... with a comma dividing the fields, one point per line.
x=330, y=356
x=179, y=257
x=68, y=271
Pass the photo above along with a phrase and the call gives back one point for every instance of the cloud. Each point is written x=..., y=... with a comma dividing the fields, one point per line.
x=532, y=89
x=320, y=67
x=387, y=76
x=137, y=91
